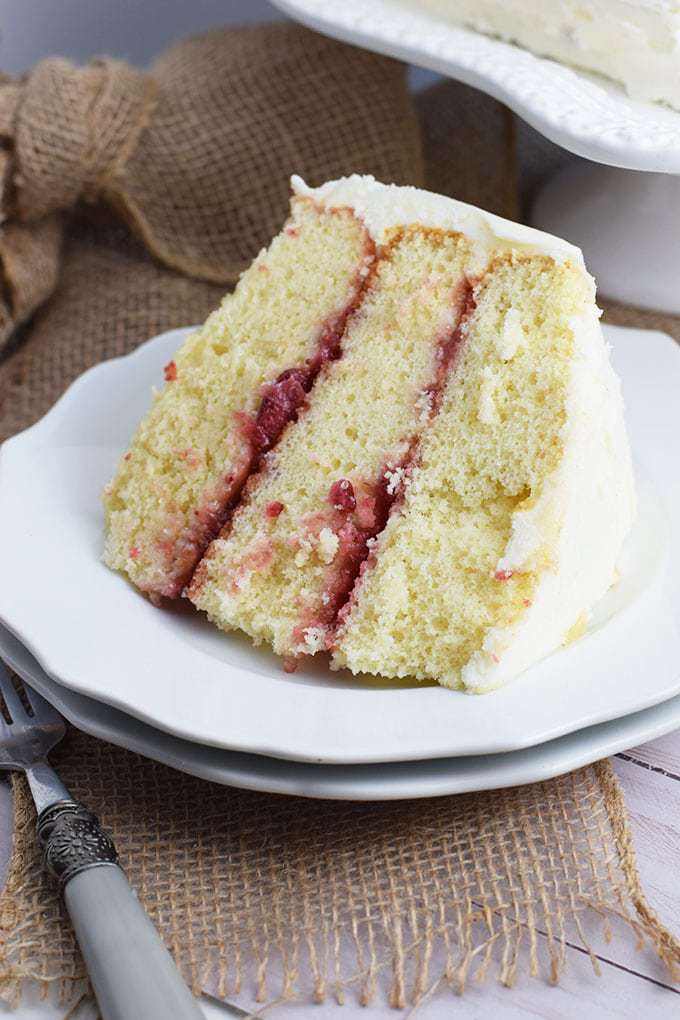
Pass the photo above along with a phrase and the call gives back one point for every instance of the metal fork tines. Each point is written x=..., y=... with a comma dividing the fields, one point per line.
x=29, y=729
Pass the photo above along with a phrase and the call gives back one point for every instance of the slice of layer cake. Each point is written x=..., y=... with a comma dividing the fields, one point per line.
x=447, y=494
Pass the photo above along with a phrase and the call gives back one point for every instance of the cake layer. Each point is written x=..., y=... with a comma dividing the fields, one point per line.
x=635, y=42
x=500, y=498
x=434, y=587
x=229, y=392
x=289, y=557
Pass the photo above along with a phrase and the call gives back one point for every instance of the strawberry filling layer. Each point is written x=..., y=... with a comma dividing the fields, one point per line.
x=182, y=545
x=358, y=511
x=355, y=515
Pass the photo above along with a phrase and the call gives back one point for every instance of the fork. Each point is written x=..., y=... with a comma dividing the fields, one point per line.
x=132, y=973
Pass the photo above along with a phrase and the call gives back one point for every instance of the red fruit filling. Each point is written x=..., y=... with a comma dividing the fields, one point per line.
x=341, y=495
x=281, y=402
x=449, y=346
x=274, y=509
x=170, y=371
x=367, y=513
x=357, y=521
x=503, y=575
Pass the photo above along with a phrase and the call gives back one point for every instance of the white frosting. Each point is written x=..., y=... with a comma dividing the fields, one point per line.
x=592, y=497
x=589, y=501
x=382, y=207
x=635, y=42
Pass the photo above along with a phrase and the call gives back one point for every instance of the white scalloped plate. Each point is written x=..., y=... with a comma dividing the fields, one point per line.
x=91, y=631
x=434, y=777
x=584, y=113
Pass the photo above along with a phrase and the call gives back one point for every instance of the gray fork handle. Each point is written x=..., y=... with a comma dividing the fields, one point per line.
x=133, y=974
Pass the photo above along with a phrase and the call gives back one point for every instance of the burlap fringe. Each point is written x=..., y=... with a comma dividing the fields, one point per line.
x=666, y=944
x=295, y=900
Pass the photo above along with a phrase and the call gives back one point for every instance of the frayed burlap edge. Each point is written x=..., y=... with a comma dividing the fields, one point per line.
x=15, y=973
x=665, y=943
x=502, y=943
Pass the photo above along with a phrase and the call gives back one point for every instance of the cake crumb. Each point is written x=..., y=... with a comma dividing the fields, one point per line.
x=487, y=412
x=328, y=545
x=315, y=639
x=303, y=553
x=423, y=406
x=190, y=457
x=395, y=480
x=512, y=335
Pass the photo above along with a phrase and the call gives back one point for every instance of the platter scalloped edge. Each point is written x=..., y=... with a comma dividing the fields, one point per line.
x=584, y=113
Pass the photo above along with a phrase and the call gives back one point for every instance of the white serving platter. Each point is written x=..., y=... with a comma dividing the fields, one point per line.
x=434, y=777
x=94, y=634
x=582, y=112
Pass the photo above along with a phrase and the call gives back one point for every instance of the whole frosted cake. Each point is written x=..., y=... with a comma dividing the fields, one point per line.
x=399, y=441
x=635, y=42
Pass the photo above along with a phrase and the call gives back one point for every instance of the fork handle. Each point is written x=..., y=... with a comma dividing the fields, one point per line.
x=132, y=972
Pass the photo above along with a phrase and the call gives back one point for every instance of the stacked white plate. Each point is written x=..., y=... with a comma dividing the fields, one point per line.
x=167, y=684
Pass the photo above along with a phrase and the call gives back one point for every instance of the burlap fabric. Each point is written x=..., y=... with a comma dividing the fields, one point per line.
x=258, y=894
x=195, y=154
x=279, y=898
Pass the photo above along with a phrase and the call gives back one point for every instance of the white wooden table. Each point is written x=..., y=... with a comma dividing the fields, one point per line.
x=632, y=985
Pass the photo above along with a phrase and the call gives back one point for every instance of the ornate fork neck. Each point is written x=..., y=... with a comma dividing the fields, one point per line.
x=72, y=840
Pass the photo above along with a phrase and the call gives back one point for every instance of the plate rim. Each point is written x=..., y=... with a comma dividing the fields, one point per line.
x=363, y=783
x=50, y=665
